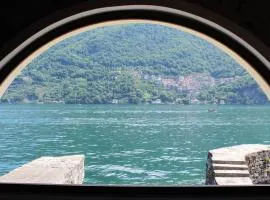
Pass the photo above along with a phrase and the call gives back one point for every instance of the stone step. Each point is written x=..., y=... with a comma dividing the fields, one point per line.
x=229, y=167
x=233, y=181
x=231, y=162
x=231, y=173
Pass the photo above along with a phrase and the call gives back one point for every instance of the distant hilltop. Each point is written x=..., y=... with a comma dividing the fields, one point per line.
x=134, y=63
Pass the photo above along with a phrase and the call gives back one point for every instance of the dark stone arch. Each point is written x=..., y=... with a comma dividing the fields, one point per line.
x=83, y=192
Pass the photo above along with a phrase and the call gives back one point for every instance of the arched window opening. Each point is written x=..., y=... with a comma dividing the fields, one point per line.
x=143, y=101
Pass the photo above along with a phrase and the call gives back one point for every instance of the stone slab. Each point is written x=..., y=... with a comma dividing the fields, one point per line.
x=236, y=153
x=233, y=181
x=49, y=170
x=231, y=173
x=229, y=167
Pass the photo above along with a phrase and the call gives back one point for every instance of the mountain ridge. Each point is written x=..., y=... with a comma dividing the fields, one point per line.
x=109, y=64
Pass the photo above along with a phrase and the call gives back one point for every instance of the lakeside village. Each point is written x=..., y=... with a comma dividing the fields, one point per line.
x=192, y=85
x=179, y=101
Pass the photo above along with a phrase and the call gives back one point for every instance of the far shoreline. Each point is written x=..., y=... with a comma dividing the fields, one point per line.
x=132, y=104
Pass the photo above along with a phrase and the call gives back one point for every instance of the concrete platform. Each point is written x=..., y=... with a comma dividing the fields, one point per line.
x=235, y=154
x=49, y=170
x=227, y=165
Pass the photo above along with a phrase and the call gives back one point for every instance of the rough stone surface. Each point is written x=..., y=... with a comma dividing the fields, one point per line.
x=228, y=165
x=259, y=166
x=49, y=170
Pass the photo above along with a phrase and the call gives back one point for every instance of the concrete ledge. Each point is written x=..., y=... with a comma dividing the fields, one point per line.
x=231, y=173
x=228, y=165
x=233, y=181
x=49, y=170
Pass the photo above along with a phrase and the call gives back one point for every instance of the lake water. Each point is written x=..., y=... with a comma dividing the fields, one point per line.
x=129, y=144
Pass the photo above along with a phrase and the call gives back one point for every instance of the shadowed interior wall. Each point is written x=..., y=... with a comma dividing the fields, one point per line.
x=16, y=15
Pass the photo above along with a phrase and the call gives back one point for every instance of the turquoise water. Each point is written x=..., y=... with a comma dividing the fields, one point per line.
x=129, y=144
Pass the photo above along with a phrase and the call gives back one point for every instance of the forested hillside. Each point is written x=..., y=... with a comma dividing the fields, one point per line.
x=134, y=63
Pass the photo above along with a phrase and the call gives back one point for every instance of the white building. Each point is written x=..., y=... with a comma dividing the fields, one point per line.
x=157, y=101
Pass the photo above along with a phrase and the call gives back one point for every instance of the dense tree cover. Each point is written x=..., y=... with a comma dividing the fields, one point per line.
x=108, y=64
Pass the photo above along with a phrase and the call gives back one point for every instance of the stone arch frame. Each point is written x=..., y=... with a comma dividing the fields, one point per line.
x=258, y=59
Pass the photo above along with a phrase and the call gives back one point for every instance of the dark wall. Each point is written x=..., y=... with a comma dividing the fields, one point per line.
x=253, y=15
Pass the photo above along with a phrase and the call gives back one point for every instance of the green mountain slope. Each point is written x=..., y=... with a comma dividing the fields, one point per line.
x=134, y=63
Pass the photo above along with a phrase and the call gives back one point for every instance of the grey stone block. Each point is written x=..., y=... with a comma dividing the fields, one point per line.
x=49, y=170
